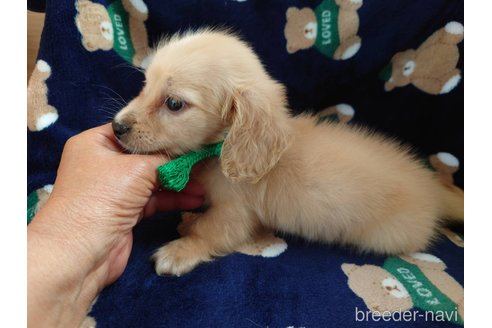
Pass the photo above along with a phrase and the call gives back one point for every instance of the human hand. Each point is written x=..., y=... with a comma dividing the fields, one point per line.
x=82, y=237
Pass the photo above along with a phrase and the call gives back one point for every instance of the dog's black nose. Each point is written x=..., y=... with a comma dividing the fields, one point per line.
x=120, y=129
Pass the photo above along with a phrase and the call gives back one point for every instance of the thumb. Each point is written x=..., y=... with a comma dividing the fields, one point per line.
x=145, y=163
x=146, y=166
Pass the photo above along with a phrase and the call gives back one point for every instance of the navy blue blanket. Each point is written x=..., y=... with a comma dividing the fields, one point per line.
x=396, y=66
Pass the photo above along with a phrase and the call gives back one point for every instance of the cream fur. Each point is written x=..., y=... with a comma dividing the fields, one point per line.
x=328, y=182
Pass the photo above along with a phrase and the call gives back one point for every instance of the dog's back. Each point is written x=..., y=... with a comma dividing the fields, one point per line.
x=343, y=184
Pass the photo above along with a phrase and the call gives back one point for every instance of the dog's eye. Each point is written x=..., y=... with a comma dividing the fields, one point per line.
x=174, y=104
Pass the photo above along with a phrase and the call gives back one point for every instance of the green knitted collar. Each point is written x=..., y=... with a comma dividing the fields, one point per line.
x=175, y=174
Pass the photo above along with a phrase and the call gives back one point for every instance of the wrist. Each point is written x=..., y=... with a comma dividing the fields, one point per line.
x=61, y=283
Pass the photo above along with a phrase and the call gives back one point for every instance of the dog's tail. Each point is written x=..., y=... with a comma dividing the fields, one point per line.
x=453, y=199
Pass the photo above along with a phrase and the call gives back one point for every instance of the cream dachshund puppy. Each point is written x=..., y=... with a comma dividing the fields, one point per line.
x=325, y=182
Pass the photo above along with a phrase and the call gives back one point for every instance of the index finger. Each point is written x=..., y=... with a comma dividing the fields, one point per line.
x=105, y=132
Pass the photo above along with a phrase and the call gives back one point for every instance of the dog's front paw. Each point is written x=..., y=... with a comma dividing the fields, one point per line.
x=179, y=257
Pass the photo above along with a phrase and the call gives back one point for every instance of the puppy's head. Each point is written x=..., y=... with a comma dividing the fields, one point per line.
x=203, y=87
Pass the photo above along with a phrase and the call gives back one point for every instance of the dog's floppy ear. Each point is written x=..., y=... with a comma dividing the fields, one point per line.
x=259, y=132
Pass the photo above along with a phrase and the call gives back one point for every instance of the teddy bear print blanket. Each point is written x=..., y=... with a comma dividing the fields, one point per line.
x=396, y=66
